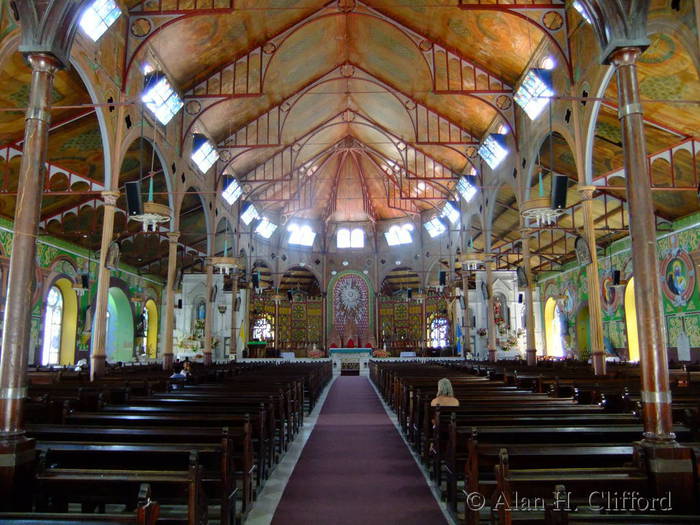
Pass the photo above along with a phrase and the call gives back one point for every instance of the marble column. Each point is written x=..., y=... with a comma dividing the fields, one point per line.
x=595, y=309
x=99, y=328
x=233, y=346
x=491, y=325
x=656, y=393
x=466, y=322
x=173, y=238
x=16, y=451
x=530, y=343
x=209, y=314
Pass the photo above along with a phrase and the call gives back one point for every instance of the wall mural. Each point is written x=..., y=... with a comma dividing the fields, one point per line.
x=350, y=309
x=677, y=274
x=678, y=253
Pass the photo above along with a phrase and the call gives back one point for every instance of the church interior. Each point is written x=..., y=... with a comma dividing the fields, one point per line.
x=243, y=243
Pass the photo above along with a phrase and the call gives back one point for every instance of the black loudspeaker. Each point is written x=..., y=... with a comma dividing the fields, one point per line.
x=410, y=293
x=616, y=277
x=443, y=278
x=520, y=298
x=85, y=280
x=179, y=304
x=256, y=280
x=289, y=295
x=134, y=205
x=212, y=294
x=559, y=188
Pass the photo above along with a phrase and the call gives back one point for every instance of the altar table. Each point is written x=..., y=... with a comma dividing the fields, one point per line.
x=350, y=355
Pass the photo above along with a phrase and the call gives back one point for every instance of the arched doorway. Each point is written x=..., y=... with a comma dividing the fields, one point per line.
x=583, y=332
x=150, y=323
x=554, y=328
x=60, y=324
x=119, y=345
x=631, y=322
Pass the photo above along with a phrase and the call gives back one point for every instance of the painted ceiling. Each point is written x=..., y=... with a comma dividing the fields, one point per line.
x=342, y=92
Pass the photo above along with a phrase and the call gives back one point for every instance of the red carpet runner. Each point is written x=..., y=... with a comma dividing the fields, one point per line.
x=355, y=469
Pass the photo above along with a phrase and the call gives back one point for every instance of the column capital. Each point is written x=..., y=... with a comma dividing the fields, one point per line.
x=586, y=192
x=625, y=56
x=110, y=197
x=44, y=63
x=173, y=237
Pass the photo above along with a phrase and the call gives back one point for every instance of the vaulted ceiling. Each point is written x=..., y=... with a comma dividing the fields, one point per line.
x=344, y=111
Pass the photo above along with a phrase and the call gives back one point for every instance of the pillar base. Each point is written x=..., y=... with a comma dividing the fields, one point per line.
x=598, y=360
x=17, y=465
x=492, y=355
x=671, y=471
x=531, y=354
x=207, y=359
x=98, y=364
x=167, y=361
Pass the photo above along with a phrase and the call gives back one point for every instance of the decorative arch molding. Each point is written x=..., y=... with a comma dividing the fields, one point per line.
x=365, y=325
x=49, y=26
x=69, y=318
x=589, y=137
x=618, y=24
x=538, y=141
x=82, y=69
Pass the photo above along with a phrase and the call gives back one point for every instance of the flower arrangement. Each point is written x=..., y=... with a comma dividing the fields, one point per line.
x=314, y=353
x=380, y=353
x=509, y=343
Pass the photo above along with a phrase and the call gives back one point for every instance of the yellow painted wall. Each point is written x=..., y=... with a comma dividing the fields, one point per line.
x=69, y=321
x=631, y=320
x=549, y=312
x=152, y=339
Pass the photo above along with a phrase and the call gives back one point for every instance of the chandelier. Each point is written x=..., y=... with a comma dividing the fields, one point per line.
x=540, y=210
x=471, y=261
x=153, y=215
x=226, y=265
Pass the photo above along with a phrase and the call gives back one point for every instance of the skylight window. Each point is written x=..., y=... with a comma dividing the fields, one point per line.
x=582, y=11
x=357, y=238
x=435, y=227
x=342, y=238
x=204, y=153
x=249, y=214
x=232, y=192
x=451, y=211
x=399, y=234
x=265, y=228
x=98, y=18
x=301, y=235
x=493, y=150
x=160, y=98
x=467, y=187
x=534, y=93
x=345, y=238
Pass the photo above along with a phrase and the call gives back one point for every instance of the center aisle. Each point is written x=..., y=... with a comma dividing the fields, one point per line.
x=355, y=469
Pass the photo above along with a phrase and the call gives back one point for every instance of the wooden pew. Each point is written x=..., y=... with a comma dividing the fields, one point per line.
x=234, y=441
x=146, y=513
x=95, y=486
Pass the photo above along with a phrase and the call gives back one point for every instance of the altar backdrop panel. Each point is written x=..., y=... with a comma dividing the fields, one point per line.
x=351, y=299
x=299, y=320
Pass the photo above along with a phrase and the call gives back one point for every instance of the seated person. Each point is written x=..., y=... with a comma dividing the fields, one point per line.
x=178, y=372
x=445, y=395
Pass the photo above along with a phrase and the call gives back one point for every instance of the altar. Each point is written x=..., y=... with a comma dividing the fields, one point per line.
x=350, y=358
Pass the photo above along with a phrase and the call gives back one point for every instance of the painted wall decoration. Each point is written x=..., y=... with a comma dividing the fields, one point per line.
x=677, y=274
x=350, y=308
x=678, y=254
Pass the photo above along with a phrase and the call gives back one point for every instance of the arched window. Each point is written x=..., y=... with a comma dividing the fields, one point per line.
x=438, y=332
x=357, y=238
x=145, y=330
x=262, y=329
x=343, y=238
x=53, y=322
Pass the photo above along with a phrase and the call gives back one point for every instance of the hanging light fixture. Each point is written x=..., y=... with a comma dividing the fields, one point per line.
x=226, y=264
x=153, y=212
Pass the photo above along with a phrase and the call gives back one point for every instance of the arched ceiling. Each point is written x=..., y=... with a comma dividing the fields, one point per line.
x=348, y=110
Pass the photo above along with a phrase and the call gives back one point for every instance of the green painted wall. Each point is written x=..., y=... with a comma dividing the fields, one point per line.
x=678, y=254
